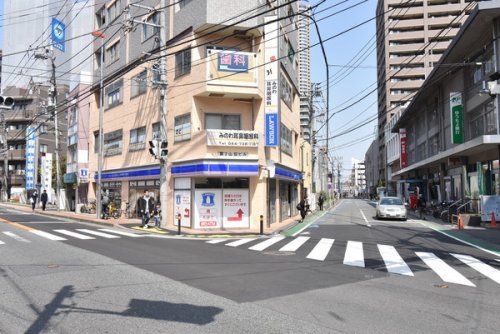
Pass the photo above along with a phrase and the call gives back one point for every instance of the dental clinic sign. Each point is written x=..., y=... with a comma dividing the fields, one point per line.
x=271, y=120
x=457, y=118
x=30, y=157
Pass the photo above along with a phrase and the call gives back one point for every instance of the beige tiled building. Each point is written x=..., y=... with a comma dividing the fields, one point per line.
x=220, y=174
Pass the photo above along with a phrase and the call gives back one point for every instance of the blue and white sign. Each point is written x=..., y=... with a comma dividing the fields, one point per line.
x=272, y=129
x=30, y=157
x=58, y=34
x=230, y=61
x=83, y=175
x=208, y=208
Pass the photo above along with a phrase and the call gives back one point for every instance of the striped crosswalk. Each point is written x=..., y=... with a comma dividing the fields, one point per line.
x=64, y=235
x=354, y=255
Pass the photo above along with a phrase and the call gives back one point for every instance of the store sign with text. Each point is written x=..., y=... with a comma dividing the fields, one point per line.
x=236, y=138
x=271, y=120
x=232, y=155
x=403, y=159
x=30, y=157
x=182, y=207
x=232, y=61
x=235, y=208
x=457, y=118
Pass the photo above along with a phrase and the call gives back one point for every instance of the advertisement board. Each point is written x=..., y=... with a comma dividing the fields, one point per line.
x=233, y=138
x=404, y=151
x=208, y=208
x=58, y=34
x=46, y=174
x=30, y=157
x=271, y=89
x=490, y=204
x=457, y=118
x=182, y=206
x=235, y=208
x=232, y=61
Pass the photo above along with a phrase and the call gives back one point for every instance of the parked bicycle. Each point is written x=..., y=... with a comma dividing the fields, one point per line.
x=113, y=211
x=89, y=207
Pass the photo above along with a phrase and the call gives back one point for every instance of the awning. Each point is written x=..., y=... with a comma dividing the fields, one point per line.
x=69, y=178
x=282, y=172
x=216, y=168
x=149, y=172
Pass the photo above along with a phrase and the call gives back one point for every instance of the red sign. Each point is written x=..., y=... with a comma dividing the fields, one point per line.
x=403, y=158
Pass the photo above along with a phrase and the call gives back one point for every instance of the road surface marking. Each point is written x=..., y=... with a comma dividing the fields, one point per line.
x=99, y=234
x=364, y=217
x=48, y=235
x=216, y=241
x=447, y=273
x=393, y=261
x=74, y=234
x=240, y=242
x=497, y=260
x=16, y=237
x=320, y=251
x=127, y=234
x=2, y=243
x=265, y=244
x=295, y=244
x=20, y=226
x=482, y=267
x=354, y=254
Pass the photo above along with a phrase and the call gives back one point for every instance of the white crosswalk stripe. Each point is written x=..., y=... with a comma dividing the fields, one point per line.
x=443, y=270
x=47, y=235
x=216, y=241
x=265, y=244
x=15, y=236
x=2, y=243
x=99, y=234
x=393, y=261
x=321, y=250
x=124, y=233
x=482, y=267
x=354, y=254
x=240, y=242
x=295, y=244
x=74, y=234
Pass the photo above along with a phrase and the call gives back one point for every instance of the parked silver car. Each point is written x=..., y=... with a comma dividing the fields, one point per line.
x=391, y=207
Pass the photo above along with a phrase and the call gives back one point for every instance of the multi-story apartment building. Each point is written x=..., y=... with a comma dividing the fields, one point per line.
x=358, y=177
x=411, y=38
x=29, y=110
x=305, y=72
x=220, y=173
x=371, y=168
x=452, y=142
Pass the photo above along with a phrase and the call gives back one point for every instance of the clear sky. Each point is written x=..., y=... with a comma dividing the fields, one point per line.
x=346, y=86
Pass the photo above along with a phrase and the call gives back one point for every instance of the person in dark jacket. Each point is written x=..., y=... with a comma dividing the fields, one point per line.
x=33, y=199
x=302, y=206
x=321, y=200
x=146, y=208
x=44, y=198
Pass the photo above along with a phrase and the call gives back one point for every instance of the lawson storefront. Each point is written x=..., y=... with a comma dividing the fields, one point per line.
x=214, y=194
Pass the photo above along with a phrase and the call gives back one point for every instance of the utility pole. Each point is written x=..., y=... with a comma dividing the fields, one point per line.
x=53, y=104
x=5, y=156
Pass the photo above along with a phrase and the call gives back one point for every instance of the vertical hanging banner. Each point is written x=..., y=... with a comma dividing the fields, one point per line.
x=46, y=162
x=30, y=157
x=58, y=34
x=403, y=157
x=271, y=69
x=457, y=118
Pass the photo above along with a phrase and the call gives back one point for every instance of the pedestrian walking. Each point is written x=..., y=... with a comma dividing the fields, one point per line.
x=302, y=207
x=44, y=198
x=104, y=204
x=33, y=199
x=157, y=215
x=321, y=201
x=146, y=207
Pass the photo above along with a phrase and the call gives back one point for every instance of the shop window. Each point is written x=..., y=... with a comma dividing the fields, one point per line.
x=286, y=140
x=182, y=128
x=113, y=143
x=235, y=183
x=183, y=62
x=222, y=122
x=137, y=139
x=113, y=93
x=207, y=183
x=139, y=84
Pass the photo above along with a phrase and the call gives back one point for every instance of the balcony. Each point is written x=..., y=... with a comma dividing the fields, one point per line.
x=16, y=134
x=17, y=154
x=231, y=74
x=19, y=115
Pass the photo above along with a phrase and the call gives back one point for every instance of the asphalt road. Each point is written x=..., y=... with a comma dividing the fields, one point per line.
x=348, y=272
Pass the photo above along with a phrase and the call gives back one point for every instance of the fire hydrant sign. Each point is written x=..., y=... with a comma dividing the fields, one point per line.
x=182, y=206
x=208, y=208
x=235, y=208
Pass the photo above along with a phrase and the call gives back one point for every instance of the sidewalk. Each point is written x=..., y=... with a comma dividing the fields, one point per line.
x=83, y=217
x=484, y=237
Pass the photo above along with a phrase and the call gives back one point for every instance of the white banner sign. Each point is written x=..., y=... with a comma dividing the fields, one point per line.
x=208, y=208
x=182, y=206
x=271, y=91
x=232, y=138
x=46, y=173
x=236, y=208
